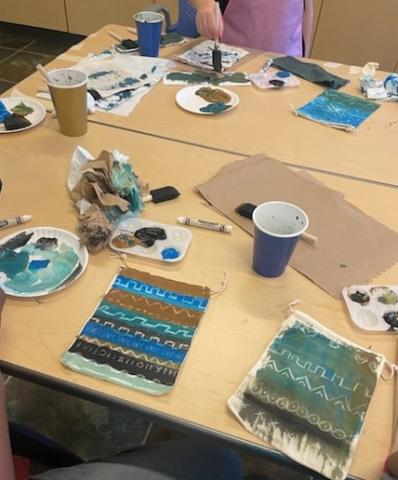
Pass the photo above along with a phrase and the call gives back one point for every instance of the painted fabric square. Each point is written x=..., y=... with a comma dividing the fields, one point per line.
x=201, y=55
x=308, y=395
x=140, y=333
x=338, y=110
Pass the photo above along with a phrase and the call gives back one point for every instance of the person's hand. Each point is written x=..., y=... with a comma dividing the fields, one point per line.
x=209, y=20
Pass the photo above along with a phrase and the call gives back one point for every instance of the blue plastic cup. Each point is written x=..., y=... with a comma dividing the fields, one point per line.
x=149, y=29
x=277, y=229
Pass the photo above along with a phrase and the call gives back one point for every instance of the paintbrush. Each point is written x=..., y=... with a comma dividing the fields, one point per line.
x=216, y=53
x=217, y=57
x=246, y=210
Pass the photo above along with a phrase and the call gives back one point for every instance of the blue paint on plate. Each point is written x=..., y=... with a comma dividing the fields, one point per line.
x=282, y=74
x=170, y=253
x=38, y=264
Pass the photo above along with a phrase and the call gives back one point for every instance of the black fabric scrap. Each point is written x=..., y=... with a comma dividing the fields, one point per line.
x=309, y=71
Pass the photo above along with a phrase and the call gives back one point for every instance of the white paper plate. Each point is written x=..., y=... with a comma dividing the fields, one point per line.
x=177, y=241
x=63, y=236
x=187, y=99
x=37, y=116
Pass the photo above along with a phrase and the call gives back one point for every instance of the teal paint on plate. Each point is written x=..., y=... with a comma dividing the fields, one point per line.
x=13, y=263
x=62, y=262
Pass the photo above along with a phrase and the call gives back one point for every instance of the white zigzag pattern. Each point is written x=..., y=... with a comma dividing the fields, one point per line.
x=320, y=390
x=324, y=373
x=160, y=292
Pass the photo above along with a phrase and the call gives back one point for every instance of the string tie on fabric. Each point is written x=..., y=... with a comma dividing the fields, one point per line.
x=392, y=369
x=292, y=304
x=222, y=288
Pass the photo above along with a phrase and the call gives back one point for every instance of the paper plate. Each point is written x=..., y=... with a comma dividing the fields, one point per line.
x=171, y=248
x=187, y=99
x=37, y=116
x=47, y=268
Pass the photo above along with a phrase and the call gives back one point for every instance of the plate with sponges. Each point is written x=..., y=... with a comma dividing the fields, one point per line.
x=20, y=113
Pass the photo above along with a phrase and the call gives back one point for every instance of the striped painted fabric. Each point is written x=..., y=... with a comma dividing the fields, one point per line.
x=140, y=332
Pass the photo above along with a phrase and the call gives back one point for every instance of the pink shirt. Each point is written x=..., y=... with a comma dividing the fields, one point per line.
x=271, y=25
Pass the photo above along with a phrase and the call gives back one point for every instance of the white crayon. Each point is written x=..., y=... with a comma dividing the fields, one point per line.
x=10, y=222
x=219, y=227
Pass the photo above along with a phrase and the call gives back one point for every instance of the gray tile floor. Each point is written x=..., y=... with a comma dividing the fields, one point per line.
x=89, y=430
x=22, y=48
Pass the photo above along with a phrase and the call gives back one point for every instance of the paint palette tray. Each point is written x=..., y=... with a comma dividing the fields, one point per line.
x=145, y=238
x=373, y=307
x=267, y=80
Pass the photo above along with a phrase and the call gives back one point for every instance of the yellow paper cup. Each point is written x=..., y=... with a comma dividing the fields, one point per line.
x=68, y=89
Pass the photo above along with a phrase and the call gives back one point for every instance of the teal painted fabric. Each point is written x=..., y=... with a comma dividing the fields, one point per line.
x=338, y=110
x=308, y=395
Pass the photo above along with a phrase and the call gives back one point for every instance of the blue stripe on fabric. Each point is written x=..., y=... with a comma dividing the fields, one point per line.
x=130, y=317
x=108, y=334
x=156, y=293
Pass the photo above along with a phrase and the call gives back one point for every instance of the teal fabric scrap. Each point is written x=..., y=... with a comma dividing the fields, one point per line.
x=308, y=395
x=338, y=110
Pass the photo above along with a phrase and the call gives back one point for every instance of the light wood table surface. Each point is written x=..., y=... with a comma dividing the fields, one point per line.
x=238, y=324
x=262, y=122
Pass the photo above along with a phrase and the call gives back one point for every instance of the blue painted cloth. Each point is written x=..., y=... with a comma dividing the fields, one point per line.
x=338, y=110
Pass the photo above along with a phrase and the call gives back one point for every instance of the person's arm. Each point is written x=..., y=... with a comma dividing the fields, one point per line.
x=208, y=18
x=6, y=464
x=307, y=25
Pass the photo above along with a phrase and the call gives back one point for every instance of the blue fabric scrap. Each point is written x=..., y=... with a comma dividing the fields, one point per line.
x=4, y=113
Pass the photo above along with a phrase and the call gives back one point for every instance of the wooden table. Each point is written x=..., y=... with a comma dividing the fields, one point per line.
x=263, y=121
x=238, y=324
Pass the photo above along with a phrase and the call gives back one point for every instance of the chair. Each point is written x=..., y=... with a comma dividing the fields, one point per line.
x=29, y=444
x=185, y=24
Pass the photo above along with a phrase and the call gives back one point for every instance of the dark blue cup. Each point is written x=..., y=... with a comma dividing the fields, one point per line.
x=149, y=29
x=277, y=229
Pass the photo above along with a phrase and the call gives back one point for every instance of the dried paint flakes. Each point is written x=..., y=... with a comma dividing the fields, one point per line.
x=215, y=107
x=213, y=95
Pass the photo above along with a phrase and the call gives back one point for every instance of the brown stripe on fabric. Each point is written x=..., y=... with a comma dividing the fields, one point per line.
x=154, y=308
x=167, y=284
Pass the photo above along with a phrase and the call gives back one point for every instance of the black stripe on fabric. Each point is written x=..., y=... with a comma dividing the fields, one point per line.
x=124, y=363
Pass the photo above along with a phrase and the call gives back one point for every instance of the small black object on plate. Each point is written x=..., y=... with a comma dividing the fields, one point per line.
x=127, y=45
x=246, y=210
x=276, y=83
x=15, y=122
